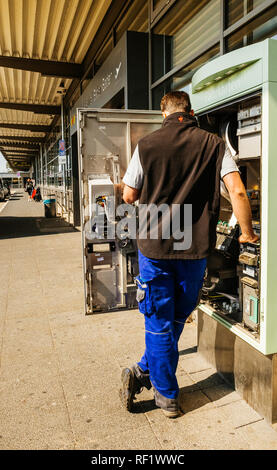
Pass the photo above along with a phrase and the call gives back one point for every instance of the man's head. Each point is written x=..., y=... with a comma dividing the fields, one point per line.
x=174, y=102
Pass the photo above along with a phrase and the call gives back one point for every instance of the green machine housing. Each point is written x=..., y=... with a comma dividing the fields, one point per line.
x=235, y=96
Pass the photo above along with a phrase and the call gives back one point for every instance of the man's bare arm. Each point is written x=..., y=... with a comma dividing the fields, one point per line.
x=241, y=206
x=130, y=195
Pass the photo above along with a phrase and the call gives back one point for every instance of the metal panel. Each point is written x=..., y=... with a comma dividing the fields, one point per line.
x=124, y=71
x=104, y=292
x=218, y=86
x=106, y=141
x=108, y=81
x=250, y=145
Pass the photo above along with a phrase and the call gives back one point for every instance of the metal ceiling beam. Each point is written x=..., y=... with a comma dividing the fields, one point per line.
x=24, y=154
x=19, y=157
x=26, y=127
x=18, y=166
x=27, y=151
x=22, y=159
x=54, y=123
x=22, y=138
x=50, y=68
x=20, y=145
x=35, y=108
x=19, y=162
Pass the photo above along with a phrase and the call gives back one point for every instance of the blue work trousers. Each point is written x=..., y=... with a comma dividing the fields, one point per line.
x=168, y=291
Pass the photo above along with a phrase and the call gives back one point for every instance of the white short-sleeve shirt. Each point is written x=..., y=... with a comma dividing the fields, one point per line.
x=134, y=174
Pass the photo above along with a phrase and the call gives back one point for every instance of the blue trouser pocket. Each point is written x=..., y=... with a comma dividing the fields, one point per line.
x=143, y=296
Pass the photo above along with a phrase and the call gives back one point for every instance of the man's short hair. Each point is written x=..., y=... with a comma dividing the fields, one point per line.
x=175, y=101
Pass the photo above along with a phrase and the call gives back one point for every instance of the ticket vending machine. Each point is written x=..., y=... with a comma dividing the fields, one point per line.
x=235, y=96
x=106, y=142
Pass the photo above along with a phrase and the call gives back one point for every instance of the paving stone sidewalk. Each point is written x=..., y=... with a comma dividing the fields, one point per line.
x=60, y=369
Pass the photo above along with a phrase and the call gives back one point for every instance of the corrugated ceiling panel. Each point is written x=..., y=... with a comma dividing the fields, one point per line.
x=136, y=18
x=45, y=29
x=59, y=30
x=91, y=25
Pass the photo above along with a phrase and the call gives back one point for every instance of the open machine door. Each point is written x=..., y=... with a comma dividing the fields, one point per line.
x=106, y=142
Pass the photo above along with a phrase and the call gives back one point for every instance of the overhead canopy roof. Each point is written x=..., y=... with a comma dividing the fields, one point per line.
x=43, y=45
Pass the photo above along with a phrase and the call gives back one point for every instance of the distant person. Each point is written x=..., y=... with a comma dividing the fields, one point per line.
x=37, y=196
x=34, y=193
x=29, y=188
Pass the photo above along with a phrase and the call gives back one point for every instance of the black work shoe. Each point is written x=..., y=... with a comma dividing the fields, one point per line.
x=133, y=380
x=169, y=406
x=143, y=377
x=130, y=386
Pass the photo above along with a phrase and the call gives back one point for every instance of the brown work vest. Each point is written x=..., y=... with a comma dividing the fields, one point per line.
x=181, y=165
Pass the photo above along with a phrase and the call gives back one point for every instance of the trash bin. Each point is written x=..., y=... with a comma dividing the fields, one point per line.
x=49, y=207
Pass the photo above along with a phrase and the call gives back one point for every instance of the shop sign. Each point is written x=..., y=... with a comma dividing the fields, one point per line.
x=62, y=159
x=61, y=148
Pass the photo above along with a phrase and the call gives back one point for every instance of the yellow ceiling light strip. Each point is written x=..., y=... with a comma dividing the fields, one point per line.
x=76, y=28
x=40, y=27
x=54, y=21
x=64, y=29
x=92, y=23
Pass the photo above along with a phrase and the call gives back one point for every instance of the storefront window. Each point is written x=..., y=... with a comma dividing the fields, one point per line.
x=186, y=27
x=268, y=29
x=264, y=26
x=236, y=9
x=182, y=80
x=135, y=20
x=159, y=92
x=56, y=174
x=102, y=56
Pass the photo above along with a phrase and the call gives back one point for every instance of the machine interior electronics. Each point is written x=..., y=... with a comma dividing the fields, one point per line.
x=232, y=279
x=107, y=139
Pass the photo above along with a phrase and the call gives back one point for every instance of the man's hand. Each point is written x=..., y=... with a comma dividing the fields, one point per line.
x=130, y=195
x=248, y=238
x=241, y=206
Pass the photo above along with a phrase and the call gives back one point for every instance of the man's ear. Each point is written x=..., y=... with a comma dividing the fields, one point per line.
x=192, y=112
x=165, y=114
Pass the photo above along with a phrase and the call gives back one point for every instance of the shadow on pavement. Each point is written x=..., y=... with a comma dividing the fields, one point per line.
x=15, y=227
x=188, y=351
x=188, y=401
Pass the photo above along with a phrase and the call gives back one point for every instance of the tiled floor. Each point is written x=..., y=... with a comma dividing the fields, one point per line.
x=60, y=369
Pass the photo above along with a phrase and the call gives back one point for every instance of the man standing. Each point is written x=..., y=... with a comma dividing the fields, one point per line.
x=29, y=188
x=178, y=165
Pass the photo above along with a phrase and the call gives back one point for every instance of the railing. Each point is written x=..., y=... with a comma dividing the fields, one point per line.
x=64, y=201
x=16, y=185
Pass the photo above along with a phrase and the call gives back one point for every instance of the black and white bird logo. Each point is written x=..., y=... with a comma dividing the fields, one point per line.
x=117, y=69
